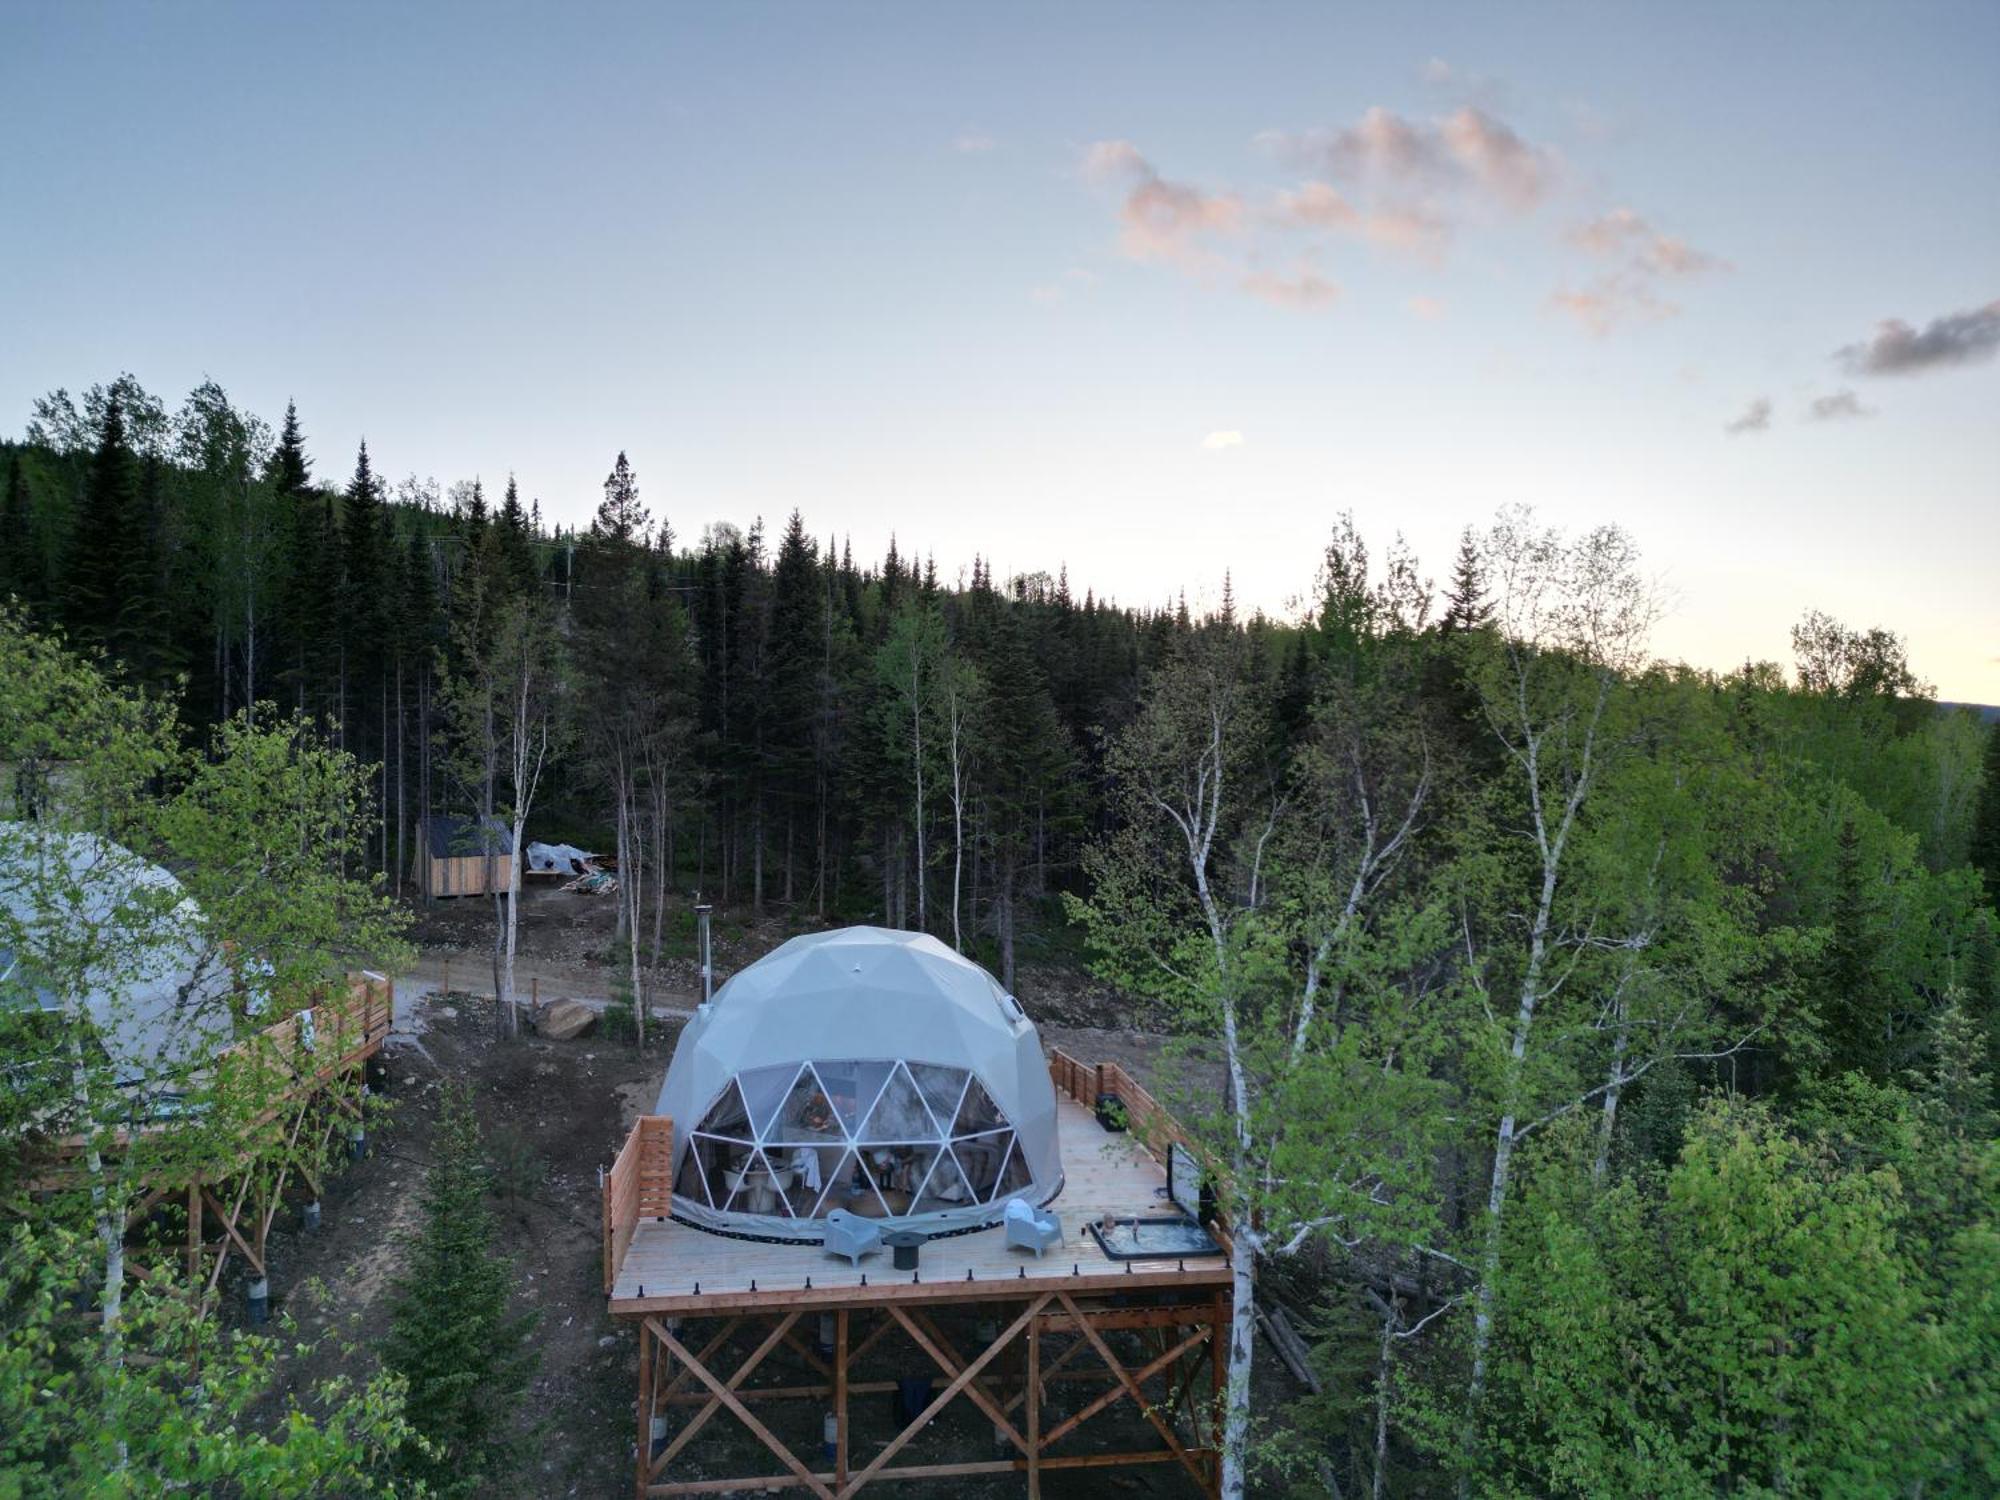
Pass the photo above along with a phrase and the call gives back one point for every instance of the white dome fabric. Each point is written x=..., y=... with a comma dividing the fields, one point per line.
x=865, y=1069
x=85, y=922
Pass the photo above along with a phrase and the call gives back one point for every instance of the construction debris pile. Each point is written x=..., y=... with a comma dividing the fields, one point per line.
x=587, y=875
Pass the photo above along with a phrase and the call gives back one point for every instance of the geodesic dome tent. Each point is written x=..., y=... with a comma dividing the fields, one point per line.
x=88, y=925
x=861, y=1069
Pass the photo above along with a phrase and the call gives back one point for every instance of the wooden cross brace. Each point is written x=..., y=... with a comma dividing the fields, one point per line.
x=725, y=1395
x=963, y=1381
x=1132, y=1388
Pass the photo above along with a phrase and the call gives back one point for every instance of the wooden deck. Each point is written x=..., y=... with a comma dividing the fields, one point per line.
x=1102, y=1172
x=1148, y=1333
x=308, y=1070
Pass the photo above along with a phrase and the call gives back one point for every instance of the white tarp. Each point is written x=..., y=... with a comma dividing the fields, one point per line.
x=86, y=922
x=557, y=859
x=898, y=1009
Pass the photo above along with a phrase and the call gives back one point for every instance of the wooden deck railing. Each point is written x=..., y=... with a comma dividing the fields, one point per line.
x=1085, y=1083
x=279, y=1065
x=344, y=1026
x=1145, y=1117
x=640, y=1185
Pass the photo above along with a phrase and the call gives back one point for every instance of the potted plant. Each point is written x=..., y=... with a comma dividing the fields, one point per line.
x=1111, y=1113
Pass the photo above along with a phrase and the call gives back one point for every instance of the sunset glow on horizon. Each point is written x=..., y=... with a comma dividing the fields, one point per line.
x=1153, y=294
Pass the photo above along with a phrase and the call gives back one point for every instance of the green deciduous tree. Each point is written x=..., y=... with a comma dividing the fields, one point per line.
x=193, y=1408
x=1748, y=1321
x=1235, y=889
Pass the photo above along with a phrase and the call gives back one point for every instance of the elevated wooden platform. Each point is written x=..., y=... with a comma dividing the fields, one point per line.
x=308, y=1072
x=671, y=1268
x=1068, y=1339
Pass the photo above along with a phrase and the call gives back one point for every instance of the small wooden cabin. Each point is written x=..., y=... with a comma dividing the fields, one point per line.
x=463, y=857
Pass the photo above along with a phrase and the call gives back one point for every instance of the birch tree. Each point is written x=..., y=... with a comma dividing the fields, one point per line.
x=139, y=979
x=1205, y=899
x=908, y=666
x=958, y=694
x=506, y=704
x=1572, y=618
x=532, y=672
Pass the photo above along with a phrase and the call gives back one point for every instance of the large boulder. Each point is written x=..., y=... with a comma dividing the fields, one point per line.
x=566, y=1019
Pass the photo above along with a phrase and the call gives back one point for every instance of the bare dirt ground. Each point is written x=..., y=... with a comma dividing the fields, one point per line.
x=552, y=1113
x=568, y=940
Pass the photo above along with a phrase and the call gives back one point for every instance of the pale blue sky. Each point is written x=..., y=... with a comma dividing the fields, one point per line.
x=863, y=260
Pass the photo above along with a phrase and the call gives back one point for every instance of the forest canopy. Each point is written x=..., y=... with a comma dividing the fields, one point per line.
x=1596, y=1053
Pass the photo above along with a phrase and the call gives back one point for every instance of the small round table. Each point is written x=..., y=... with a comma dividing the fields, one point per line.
x=903, y=1246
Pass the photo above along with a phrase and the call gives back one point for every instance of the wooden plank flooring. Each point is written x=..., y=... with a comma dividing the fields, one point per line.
x=1102, y=1173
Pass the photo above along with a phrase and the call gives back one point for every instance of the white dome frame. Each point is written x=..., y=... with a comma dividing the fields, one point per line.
x=866, y=1069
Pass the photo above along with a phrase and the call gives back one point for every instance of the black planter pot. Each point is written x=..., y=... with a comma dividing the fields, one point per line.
x=1111, y=1112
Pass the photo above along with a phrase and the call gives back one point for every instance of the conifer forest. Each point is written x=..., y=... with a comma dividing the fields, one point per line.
x=1596, y=1055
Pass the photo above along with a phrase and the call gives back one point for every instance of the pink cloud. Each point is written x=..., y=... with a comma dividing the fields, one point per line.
x=1506, y=167
x=1319, y=206
x=1303, y=291
x=1610, y=302
x=1638, y=258
x=1161, y=220
x=1468, y=153
x=1104, y=160
x=1621, y=233
x=1417, y=231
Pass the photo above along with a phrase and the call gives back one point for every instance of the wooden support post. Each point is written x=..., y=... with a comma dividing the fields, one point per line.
x=645, y=1407
x=840, y=1400
x=194, y=1230
x=1119, y=1392
x=1124, y=1378
x=1218, y=1386
x=924, y=1334
x=1034, y=1398
x=964, y=1378
x=726, y=1396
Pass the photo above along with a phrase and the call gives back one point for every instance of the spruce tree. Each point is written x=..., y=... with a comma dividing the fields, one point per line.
x=107, y=551
x=469, y=511
x=893, y=578
x=794, y=653
x=452, y=1336
x=160, y=626
x=1984, y=855
x=290, y=471
x=515, y=551
x=306, y=608
x=364, y=609
x=620, y=517
x=1466, y=606
x=20, y=570
x=312, y=602
x=1855, y=996
x=1029, y=775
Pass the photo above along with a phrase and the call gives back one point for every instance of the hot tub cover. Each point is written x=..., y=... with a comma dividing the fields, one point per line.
x=865, y=1069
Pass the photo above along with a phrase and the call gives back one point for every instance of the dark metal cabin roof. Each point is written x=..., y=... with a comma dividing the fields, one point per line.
x=447, y=837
